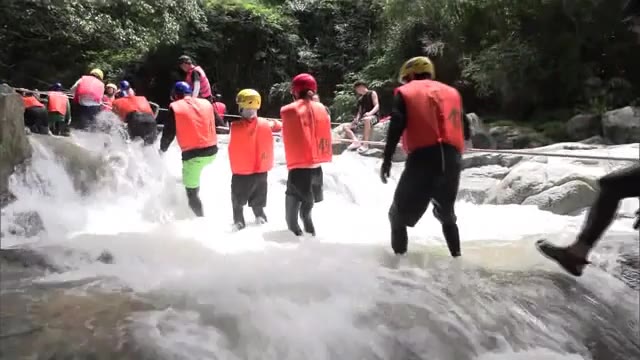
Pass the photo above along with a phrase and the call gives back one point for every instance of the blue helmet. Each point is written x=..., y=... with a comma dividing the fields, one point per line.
x=124, y=85
x=55, y=87
x=182, y=88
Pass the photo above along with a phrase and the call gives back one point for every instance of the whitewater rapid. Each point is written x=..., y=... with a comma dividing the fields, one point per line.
x=258, y=294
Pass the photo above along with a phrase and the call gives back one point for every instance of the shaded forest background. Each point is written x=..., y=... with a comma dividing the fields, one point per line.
x=525, y=60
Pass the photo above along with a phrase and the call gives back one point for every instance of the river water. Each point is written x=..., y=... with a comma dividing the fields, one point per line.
x=175, y=287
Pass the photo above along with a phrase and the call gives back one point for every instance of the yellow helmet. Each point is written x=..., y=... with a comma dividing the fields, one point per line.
x=416, y=65
x=97, y=73
x=113, y=86
x=248, y=99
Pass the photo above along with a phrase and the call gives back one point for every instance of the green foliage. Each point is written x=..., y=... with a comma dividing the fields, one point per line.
x=521, y=59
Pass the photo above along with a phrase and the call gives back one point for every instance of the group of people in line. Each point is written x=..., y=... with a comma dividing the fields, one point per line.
x=427, y=118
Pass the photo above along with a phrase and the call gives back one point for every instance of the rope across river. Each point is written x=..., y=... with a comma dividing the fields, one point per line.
x=382, y=143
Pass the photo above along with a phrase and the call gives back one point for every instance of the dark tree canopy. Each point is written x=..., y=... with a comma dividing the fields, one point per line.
x=523, y=59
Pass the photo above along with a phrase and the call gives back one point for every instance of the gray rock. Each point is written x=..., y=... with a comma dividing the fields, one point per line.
x=595, y=140
x=517, y=137
x=475, y=189
x=14, y=146
x=564, y=199
x=622, y=126
x=584, y=126
x=483, y=159
x=85, y=167
x=27, y=224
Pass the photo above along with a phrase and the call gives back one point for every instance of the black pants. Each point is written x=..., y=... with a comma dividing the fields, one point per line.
x=84, y=116
x=614, y=187
x=251, y=189
x=306, y=185
x=304, y=189
x=142, y=125
x=59, y=128
x=431, y=175
x=37, y=120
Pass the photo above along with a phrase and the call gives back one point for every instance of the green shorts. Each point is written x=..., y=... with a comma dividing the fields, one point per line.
x=192, y=169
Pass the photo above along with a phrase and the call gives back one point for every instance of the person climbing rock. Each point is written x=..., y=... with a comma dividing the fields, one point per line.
x=197, y=79
x=428, y=116
x=108, y=97
x=614, y=187
x=35, y=114
x=250, y=157
x=139, y=116
x=87, y=96
x=306, y=133
x=191, y=121
x=366, y=117
x=59, y=110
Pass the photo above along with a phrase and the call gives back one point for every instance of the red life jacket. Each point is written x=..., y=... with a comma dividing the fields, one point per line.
x=195, y=123
x=434, y=115
x=205, y=87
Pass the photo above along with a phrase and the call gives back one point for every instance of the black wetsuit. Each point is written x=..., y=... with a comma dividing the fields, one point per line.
x=304, y=189
x=614, y=187
x=36, y=118
x=142, y=125
x=431, y=173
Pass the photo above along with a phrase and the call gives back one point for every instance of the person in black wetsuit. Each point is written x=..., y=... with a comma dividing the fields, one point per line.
x=434, y=145
x=614, y=187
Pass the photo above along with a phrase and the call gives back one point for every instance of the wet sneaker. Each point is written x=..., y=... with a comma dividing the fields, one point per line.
x=238, y=226
x=569, y=262
x=363, y=148
x=261, y=220
x=354, y=145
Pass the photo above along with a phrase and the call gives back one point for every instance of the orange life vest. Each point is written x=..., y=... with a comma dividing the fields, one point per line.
x=306, y=133
x=434, y=115
x=195, y=123
x=250, y=146
x=58, y=103
x=276, y=125
x=90, y=87
x=126, y=105
x=31, y=101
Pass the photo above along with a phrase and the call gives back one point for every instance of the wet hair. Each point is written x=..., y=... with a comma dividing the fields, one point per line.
x=306, y=94
x=359, y=83
x=185, y=59
x=422, y=76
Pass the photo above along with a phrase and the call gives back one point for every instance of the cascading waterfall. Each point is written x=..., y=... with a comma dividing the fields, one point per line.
x=189, y=288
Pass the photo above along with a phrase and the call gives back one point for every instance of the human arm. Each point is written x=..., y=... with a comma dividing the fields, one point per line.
x=276, y=125
x=168, y=131
x=155, y=108
x=67, y=116
x=195, y=77
x=397, y=124
x=74, y=87
x=376, y=104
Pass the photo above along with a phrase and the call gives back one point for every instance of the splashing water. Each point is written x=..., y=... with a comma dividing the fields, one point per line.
x=211, y=293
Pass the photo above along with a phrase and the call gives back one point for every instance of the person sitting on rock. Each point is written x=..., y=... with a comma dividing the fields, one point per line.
x=366, y=117
x=35, y=114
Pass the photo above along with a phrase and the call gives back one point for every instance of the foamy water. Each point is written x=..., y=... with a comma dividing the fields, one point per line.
x=262, y=294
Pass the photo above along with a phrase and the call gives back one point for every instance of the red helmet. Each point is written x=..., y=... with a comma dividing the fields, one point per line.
x=303, y=82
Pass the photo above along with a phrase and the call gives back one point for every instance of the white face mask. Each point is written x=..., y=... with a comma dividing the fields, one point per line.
x=248, y=113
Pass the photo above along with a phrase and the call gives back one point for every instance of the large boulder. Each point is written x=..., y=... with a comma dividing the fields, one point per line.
x=84, y=166
x=564, y=199
x=622, y=126
x=14, y=146
x=480, y=137
x=517, y=137
x=584, y=126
